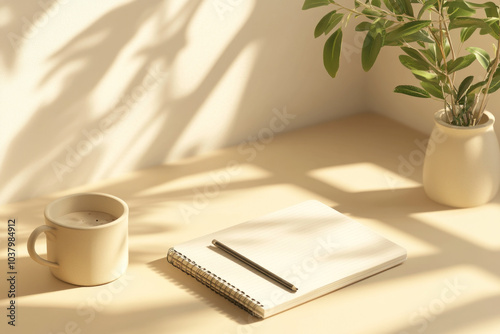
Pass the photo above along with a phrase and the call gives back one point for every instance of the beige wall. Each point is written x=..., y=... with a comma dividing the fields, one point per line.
x=92, y=89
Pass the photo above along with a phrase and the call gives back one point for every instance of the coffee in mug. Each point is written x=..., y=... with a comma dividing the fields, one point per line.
x=86, y=218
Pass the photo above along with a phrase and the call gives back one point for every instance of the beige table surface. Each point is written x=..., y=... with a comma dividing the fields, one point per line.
x=449, y=284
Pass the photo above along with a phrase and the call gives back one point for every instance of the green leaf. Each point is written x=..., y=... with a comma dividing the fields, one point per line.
x=323, y=23
x=495, y=85
x=407, y=8
x=372, y=13
x=476, y=88
x=494, y=27
x=413, y=64
x=405, y=30
x=411, y=52
x=327, y=23
x=363, y=26
x=331, y=53
x=424, y=75
x=377, y=28
x=466, y=33
x=458, y=8
x=464, y=87
x=388, y=4
x=388, y=23
x=460, y=63
x=469, y=99
x=412, y=91
x=447, y=47
x=371, y=48
x=426, y=7
x=497, y=73
x=376, y=3
x=336, y=19
x=396, y=6
x=482, y=56
x=437, y=52
x=429, y=54
x=490, y=8
x=314, y=3
x=419, y=37
x=433, y=89
x=465, y=22
x=399, y=7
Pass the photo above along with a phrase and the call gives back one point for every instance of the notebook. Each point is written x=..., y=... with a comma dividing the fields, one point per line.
x=310, y=245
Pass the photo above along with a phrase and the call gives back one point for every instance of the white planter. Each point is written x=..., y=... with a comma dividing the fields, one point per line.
x=462, y=164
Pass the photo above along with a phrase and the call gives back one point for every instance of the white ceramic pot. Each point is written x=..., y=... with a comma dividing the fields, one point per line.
x=462, y=164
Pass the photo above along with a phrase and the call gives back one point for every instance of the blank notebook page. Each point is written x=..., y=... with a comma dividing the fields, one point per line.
x=310, y=245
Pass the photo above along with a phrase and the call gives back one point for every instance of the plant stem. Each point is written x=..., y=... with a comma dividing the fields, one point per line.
x=452, y=49
x=490, y=78
x=440, y=44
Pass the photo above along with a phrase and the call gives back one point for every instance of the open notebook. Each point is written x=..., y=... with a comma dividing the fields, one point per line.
x=310, y=245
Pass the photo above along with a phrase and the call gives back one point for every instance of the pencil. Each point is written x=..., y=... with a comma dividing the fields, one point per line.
x=255, y=266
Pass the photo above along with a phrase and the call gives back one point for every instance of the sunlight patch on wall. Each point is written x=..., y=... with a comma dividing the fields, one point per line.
x=6, y=16
x=211, y=45
x=219, y=108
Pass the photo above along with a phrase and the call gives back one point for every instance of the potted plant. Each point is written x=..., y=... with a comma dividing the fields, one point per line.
x=462, y=164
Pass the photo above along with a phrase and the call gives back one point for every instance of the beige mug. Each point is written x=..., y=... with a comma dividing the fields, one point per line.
x=87, y=238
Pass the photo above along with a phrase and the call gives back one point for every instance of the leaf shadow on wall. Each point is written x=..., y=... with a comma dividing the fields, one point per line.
x=83, y=64
x=15, y=30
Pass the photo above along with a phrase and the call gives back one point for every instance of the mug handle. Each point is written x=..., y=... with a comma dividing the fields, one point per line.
x=31, y=246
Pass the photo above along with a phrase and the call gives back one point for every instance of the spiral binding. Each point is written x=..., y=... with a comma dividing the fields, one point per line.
x=214, y=282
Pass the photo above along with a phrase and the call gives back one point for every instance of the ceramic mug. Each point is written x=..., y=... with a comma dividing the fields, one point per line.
x=87, y=238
